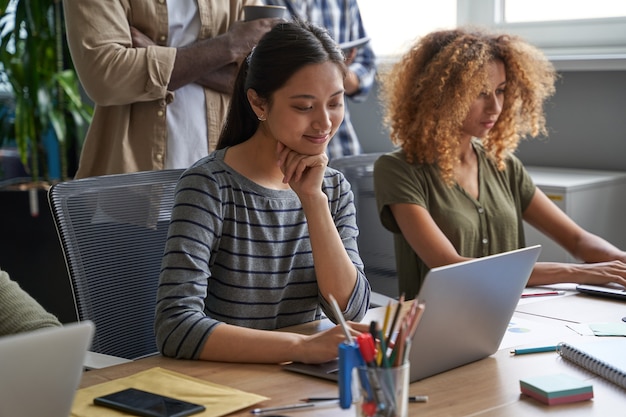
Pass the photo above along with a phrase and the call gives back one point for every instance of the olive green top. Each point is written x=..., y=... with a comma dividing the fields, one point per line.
x=19, y=312
x=477, y=228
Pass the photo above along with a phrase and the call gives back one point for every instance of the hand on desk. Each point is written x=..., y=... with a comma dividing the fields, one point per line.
x=230, y=343
x=323, y=347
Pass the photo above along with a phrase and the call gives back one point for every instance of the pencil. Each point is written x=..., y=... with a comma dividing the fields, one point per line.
x=395, y=319
x=417, y=316
x=387, y=314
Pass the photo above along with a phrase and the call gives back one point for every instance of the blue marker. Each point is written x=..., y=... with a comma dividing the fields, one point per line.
x=349, y=357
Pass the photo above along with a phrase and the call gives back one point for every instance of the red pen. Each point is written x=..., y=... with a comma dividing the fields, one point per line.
x=367, y=347
x=540, y=294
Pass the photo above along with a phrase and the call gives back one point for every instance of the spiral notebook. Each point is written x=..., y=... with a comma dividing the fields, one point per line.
x=604, y=357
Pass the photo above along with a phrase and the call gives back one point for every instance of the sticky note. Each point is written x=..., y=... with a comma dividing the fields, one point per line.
x=608, y=329
x=556, y=389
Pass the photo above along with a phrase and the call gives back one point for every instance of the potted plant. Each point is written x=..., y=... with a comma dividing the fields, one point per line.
x=50, y=116
x=45, y=119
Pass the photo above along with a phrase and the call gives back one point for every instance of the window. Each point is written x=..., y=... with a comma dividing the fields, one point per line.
x=395, y=24
x=575, y=34
x=517, y=11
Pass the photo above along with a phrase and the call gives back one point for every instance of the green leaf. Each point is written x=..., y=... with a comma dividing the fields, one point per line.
x=46, y=94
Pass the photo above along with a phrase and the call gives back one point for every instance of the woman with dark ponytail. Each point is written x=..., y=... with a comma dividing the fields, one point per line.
x=263, y=232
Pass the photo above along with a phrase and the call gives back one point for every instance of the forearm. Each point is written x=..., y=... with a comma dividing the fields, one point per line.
x=229, y=343
x=546, y=273
x=335, y=271
x=351, y=83
x=591, y=248
x=205, y=56
x=603, y=263
x=363, y=71
x=221, y=80
x=203, y=62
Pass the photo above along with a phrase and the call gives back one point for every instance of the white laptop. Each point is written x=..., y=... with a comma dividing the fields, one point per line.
x=468, y=309
x=41, y=370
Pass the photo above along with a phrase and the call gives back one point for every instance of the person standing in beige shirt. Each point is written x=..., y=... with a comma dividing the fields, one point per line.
x=160, y=74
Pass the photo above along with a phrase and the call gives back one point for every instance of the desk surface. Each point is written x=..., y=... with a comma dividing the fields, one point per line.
x=489, y=387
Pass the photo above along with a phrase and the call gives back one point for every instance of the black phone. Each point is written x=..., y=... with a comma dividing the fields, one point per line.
x=147, y=404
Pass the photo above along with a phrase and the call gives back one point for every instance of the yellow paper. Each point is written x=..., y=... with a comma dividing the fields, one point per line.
x=218, y=399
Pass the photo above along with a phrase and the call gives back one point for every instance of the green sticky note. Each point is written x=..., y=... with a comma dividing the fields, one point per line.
x=556, y=389
x=617, y=328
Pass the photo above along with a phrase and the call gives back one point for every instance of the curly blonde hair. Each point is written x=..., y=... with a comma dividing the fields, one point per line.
x=428, y=93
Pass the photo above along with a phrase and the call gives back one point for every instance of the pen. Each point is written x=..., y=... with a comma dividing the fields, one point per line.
x=540, y=294
x=374, y=333
x=258, y=411
x=418, y=398
x=368, y=352
x=318, y=399
x=534, y=350
x=412, y=399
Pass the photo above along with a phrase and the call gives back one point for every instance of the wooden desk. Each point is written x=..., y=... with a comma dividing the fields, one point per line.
x=489, y=387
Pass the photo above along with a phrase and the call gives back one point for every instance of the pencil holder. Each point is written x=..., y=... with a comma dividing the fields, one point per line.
x=381, y=392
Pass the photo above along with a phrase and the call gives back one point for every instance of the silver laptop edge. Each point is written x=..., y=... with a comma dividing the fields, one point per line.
x=40, y=370
x=468, y=308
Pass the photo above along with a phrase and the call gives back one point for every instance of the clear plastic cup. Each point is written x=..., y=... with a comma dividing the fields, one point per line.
x=381, y=392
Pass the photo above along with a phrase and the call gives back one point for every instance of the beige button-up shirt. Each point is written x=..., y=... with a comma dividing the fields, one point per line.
x=129, y=85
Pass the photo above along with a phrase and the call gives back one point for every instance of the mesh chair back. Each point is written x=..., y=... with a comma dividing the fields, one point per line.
x=113, y=230
x=375, y=242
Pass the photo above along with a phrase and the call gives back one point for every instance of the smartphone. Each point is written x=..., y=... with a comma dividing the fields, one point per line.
x=147, y=404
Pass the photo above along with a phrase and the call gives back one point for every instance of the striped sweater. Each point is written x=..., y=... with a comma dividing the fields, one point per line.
x=240, y=253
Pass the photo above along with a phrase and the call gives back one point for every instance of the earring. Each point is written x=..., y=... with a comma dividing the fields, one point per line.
x=261, y=118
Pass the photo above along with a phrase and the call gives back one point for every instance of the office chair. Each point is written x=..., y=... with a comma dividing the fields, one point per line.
x=112, y=230
x=375, y=242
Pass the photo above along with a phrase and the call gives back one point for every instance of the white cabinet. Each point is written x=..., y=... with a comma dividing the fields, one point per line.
x=596, y=200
